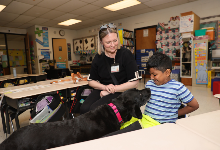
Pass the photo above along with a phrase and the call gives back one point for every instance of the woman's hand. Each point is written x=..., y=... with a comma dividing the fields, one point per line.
x=104, y=93
x=110, y=88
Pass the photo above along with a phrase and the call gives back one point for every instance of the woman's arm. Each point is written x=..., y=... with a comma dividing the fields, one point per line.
x=97, y=85
x=125, y=86
x=191, y=106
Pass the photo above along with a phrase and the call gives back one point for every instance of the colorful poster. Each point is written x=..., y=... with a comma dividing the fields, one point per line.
x=46, y=54
x=186, y=23
x=201, y=63
x=45, y=37
x=69, y=51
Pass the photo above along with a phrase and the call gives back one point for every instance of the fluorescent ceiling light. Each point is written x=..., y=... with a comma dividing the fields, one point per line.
x=69, y=22
x=2, y=7
x=122, y=4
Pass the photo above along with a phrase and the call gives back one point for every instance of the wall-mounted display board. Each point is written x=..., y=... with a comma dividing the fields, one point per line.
x=86, y=45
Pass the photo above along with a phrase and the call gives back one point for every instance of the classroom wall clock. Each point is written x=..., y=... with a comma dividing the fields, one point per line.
x=62, y=32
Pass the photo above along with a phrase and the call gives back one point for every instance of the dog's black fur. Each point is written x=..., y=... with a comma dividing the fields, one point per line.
x=91, y=125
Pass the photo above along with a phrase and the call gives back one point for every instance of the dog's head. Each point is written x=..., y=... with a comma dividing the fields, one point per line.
x=130, y=101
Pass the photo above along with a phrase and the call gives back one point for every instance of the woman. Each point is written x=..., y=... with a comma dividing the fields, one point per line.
x=121, y=64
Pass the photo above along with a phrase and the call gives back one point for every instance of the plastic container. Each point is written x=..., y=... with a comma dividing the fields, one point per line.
x=14, y=72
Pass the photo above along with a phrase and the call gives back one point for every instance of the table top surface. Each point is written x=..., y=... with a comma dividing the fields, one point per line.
x=161, y=137
x=5, y=77
x=205, y=125
x=39, y=88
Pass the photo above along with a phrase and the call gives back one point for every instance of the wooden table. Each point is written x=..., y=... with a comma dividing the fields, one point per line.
x=206, y=125
x=161, y=137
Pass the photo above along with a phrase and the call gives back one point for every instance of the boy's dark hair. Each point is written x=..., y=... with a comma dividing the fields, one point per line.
x=160, y=62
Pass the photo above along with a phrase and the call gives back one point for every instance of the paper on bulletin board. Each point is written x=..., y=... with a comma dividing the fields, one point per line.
x=186, y=23
x=46, y=54
x=201, y=63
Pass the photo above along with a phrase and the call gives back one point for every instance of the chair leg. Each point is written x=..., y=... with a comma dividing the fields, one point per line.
x=7, y=120
x=3, y=120
x=12, y=126
x=17, y=121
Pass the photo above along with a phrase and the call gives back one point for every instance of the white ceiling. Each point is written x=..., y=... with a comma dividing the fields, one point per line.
x=26, y=13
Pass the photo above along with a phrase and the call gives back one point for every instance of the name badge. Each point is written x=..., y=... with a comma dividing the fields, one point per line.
x=115, y=68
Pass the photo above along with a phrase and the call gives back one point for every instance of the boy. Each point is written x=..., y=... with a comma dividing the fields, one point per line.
x=166, y=93
x=166, y=98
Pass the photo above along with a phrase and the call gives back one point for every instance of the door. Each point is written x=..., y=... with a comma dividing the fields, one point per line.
x=60, y=51
x=27, y=50
x=145, y=38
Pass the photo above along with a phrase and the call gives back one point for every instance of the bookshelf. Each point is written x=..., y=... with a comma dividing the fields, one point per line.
x=127, y=39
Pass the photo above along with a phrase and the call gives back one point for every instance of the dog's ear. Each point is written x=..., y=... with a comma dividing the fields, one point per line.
x=136, y=112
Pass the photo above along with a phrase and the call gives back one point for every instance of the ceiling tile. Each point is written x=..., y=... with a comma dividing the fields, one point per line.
x=88, y=1
x=17, y=7
x=50, y=23
x=140, y=12
x=103, y=3
x=89, y=21
x=32, y=2
x=157, y=2
x=52, y=14
x=132, y=9
x=2, y=23
x=38, y=21
x=13, y=25
x=52, y=4
x=97, y=13
x=36, y=11
x=71, y=6
x=23, y=19
x=107, y=15
x=170, y=4
x=82, y=18
x=115, y=18
x=8, y=16
x=25, y=26
x=142, y=1
x=65, y=17
x=84, y=10
x=5, y=2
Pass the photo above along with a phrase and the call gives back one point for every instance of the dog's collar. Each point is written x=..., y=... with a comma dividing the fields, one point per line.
x=116, y=112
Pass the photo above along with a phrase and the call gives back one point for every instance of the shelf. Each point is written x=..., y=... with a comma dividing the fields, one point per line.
x=127, y=37
x=187, y=62
x=215, y=67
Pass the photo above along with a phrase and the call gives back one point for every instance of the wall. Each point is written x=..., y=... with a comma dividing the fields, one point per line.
x=52, y=33
x=203, y=8
x=12, y=30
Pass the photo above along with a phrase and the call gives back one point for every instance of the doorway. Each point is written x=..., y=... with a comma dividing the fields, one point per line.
x=60, y=52
x=13, y=53
x=145, y=39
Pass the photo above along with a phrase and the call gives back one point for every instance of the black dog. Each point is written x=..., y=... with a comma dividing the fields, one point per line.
x=91, y=125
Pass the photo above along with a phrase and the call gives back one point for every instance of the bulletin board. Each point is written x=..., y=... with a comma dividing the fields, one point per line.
x=86, y=45
x=17, y=57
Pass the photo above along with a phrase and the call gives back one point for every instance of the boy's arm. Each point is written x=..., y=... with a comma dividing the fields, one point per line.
x=191, y=106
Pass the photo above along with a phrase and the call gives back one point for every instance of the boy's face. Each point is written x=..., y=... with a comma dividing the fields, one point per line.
x=159, y=77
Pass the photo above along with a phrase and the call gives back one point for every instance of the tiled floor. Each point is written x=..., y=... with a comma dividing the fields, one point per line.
x=204, y=96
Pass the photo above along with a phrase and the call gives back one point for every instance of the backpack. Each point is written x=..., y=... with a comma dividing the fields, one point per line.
x=82, y=93
x=48, y=107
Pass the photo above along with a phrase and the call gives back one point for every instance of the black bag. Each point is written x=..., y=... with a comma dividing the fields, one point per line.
x=82, y=93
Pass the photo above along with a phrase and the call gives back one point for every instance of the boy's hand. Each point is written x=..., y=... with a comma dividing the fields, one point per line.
x=191, y=106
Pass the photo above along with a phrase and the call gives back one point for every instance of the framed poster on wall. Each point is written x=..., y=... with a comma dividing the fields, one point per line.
x=78, y=45
x=89, y=43
x=201, y=55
